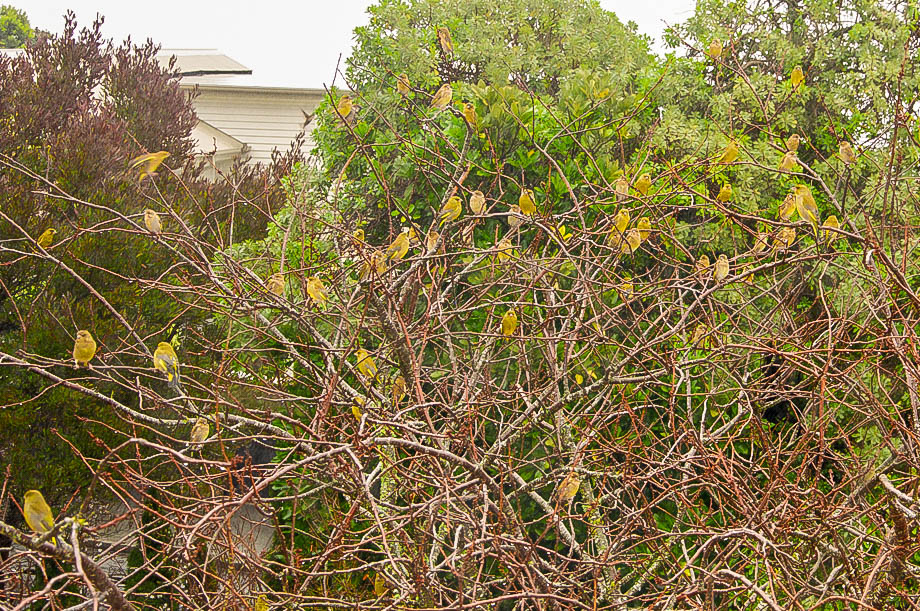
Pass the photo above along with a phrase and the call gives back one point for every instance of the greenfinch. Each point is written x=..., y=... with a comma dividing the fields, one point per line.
x=84, y=348
x=786, y=207
x=317, y=291
x=445, y=41
x=152, y=221
x=784, y=238
x=431, y=241
x=526, y=202
x=631, y=242
x=37, y=513
x=47, y=237
x=261, y=604
x=515, y=219
x=469, y=113
x=165, y=360
x=451, y=210
x=366, y=365
x=402, y=84
x=509, y=323
x=357, y=237
x=621, y=220
x=477, y=202
x=148, y=163
x=788, y=161
x=847, y=154
x=725, y=193
x=345, y=107
x=715, y=48
x=201, y=430
x=398, y=248
x=792, y=143
x=645, y=228
x=399, y=389
x=442, y=97
x=504, y=249
x=830, y=223
x=380, y=585
x=356, y=406
x=805, y=204
x=797, y=77
x=568, y=488
x=275, y=284
x=720, y=269
x=730, y=154
x=643, y=184
x=702, y=264
x=622, y=188
x=760, y=243
x=376, y=262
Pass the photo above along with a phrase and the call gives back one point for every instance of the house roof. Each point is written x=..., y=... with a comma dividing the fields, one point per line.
x=196, y=62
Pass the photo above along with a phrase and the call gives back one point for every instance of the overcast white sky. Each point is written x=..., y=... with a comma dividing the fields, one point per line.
x=293, y=43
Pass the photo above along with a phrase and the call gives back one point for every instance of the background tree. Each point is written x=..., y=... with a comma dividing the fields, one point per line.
x=15, y=30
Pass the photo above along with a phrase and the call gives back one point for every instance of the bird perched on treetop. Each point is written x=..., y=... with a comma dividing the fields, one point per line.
x=847, y=154
x=451, y=210
x=442, y=97
x=720, y=271
x=730, y=153
x=152, y=221
x=275, y=284
x=47, y=237
x=165, y=360
x=477, y=202
x=84, y=348
x=317, y=291
x=399, y=247
x=797, y=77
x=643, y=184
x=37, y=513
x=715, y=48
x=526, y=202
x=445, y=41
x=402, y=84
x=345, y=107
x=149, y=163
x=509, y=323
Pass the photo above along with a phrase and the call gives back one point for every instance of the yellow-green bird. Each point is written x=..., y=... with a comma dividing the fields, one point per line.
x=847, y=154
x=345, y=107
x=715, y=48
x=148, y=163
x=788, y=161
x=451, y=210
x=730, y=154
x=201, y=430
x=526, y=202
x=786, y=207
x=84, y=348
x=469, y=113
x=356, y=406
x=643, y=184
x=380, y=585
x=725, y=193
x=760, y=243
x=784, y=238
x=477, y=202
x=504, y=249
x=569, y=486
x=432, y=240
x=720, y=270
x=831, y=222
x=631, y=242
x=37, y=513
x=261, y=603
x=317, y=291
x=805, y=205
x=622, y=188
x=621, y=220
x=366, y=365
x=376, y=262
x=442, y=97
x=165, y=360
x=445, y=41
x=797, y=76
x=399, y=389
x=509, y=323
x=402, y=84
x=152, y=221
x=47, y=237
x=645, y=228
x=514, y=216
x=792, y=143
x=702, y=264
x=275, y=284
x=399, y=247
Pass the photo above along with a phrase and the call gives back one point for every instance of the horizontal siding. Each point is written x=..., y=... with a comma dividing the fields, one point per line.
x=264, y=121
